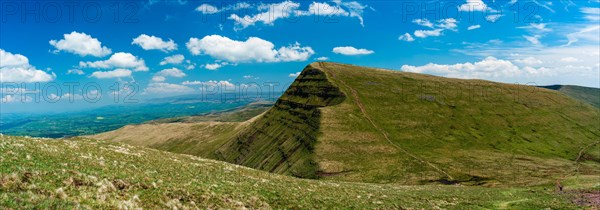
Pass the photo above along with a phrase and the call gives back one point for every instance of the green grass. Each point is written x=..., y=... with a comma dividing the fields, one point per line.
x=349, y=123
x=85, y=173
x=586, y=94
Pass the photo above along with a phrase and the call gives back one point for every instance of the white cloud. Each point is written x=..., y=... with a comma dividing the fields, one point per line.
x=427, y=33
x=16, y=98
x=158, y=79
x=493, y=18
x=207, y=9
x=591, y=13
x=570, y=60
x=349, y=50
x=154, y=43
x=489, y=68
x=174, y=59
x=172, y=72
x=269, y=13
x=473, y=5
x=211, y=83
x=16, y=68
x=587, y=33
x=406, y=37
x=80, y=44
x=213, y=66
x=530, y=61
x=254, y=49
x=448, y=24
x=75, y=71
x=117, y=73
x=166, y=88
x=436, y=29
x=295, y=74
x=322, y=58
x=423, y=22
x=118, y=60
x=533, y=39
x=473, y=27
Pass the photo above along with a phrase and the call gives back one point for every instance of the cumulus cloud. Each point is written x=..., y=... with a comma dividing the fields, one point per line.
x=423, y=22
x=448, y=24
x=118, y=60
x=154, y=43
x=16, y=68
x=117, y=73
x=570, y=60
x=16, y=98
x=174, y=59
x=473, y=5
x=488, y=68
x=254, y=49
x=172, y=72
x=406, y=37
x=531, y=61
x=80, y=44
x=473, y=27
x=207, y=9
x=295, y=74
x=322, y=58
x=158, y=79
x=349, y=50
x=428, y=33
x=213, y=66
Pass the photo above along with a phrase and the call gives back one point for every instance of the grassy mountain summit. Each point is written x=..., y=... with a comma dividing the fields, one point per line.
x=350, y=123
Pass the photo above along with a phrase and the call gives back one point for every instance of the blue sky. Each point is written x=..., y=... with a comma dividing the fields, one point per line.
x=176, y=47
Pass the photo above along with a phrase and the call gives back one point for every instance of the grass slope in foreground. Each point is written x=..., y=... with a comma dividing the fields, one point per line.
x=84, y=173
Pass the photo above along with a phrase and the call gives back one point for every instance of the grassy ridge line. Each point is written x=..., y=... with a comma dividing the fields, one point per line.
x=519, y=135
x=586, y=94
x=356, y=99
x=84, y=173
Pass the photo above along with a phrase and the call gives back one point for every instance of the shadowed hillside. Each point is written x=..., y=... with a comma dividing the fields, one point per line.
x=283, y=139
x=351, y=123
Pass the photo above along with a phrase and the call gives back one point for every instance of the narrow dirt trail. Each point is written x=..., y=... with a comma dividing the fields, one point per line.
x=385, y=135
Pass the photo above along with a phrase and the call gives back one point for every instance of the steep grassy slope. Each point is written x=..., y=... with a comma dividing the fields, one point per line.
x=587, y=94
x=83, y=173
x=350, y=123
x=283, y=139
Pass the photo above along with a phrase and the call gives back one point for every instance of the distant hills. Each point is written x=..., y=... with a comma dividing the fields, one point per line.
x=587, y=94
x=350, y=123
